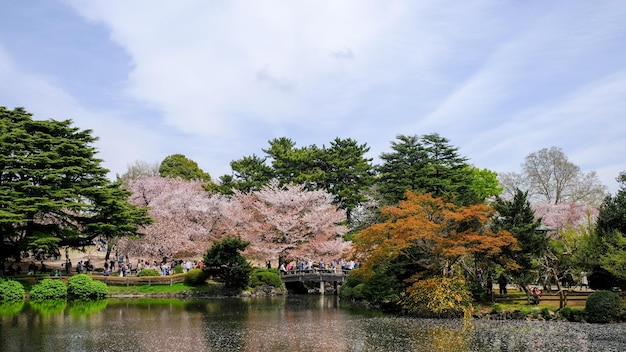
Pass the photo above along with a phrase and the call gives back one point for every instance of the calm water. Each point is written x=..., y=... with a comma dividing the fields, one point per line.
x=294, y=324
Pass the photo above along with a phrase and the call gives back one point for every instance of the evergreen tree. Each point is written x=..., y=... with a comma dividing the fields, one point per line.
x=296, y=165
x=517, y=217
x=612, y=215
x=224, y=261
x=250, y=174
x=178, y=165
x=399, y=171
x=425, y=165
x=348, y=173
x=114, y=216
x=51, y=184
x=611, y=241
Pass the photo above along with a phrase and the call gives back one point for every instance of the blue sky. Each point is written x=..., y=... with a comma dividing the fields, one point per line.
x=216, y=80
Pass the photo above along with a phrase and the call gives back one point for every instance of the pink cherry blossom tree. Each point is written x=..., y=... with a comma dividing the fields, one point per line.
x=290, y=223
x=280, y=222
x=564, y=215
x=186, y=217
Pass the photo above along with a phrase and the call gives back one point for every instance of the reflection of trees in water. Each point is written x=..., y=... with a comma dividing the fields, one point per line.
x=10, y=308
x=84, y=307
x=49, y=307
x=447, y=339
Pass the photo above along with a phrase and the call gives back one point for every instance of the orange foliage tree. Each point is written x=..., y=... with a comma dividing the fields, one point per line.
x=445, y=232
x=433, y=235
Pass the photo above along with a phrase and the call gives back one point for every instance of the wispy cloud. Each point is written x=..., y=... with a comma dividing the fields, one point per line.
x=216, y=81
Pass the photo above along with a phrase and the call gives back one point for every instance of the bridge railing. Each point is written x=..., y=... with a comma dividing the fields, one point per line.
x=314, y=275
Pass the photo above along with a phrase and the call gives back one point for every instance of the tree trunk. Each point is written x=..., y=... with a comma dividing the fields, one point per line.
x=562, y=296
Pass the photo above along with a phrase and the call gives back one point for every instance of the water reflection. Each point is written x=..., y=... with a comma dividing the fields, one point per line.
x=294, y=323
x=49, y=307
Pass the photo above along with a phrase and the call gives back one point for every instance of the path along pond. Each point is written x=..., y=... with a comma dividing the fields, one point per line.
x=294, y=323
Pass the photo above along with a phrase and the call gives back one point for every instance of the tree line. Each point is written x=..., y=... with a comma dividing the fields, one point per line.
x=423, y=213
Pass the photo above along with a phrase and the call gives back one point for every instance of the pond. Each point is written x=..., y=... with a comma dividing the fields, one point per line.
x=294, y=323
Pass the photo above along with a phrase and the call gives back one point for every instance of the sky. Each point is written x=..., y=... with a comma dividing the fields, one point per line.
x=217, y=80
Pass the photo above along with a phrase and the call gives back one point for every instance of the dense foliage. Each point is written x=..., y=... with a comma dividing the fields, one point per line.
x=11, y=291
x=179, y=166
x=82, y=286
x=420, y=220
x=263, y=276
x=340, y=169
x=439, y=295
x=148, y=272
x=426, y=164
x=196, y=277
x=225, y=263
x=424, y=237
x=53, y=190
x=48, y=289
x=603, y=307
x=517, y=217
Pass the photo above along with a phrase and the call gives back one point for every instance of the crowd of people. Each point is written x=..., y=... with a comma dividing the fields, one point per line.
x=302, y=265
x=127, y=268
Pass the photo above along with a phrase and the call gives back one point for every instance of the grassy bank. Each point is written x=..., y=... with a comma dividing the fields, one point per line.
x=179, y=289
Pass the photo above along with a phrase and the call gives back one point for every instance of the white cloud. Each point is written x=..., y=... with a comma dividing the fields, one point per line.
x=217, y=80
x=40, y=96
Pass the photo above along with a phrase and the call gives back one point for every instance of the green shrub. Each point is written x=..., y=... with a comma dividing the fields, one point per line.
x=196, y=277
x=48, y=289
x=178, y=269
x=82, y=286
x=603, y=307
x=566, y=313
x=149, y=272
x=571, y=314
x=263, y=276
x=545, y=313
x=496, y=308
x=11, y=291
x=355, y=293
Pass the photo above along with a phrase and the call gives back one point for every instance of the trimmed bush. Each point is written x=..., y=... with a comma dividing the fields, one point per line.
x=82, y=286
x=603, y=307
x=149, y=272
x=263, y=276
x=11, y=291
x=196, y=277
x=48, y=289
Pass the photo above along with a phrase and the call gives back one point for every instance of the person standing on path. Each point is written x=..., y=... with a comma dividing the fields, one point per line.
x=502, y=282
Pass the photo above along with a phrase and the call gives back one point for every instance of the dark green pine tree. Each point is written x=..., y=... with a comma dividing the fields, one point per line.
x=612, y=216
x=446, y=173
x=399, y=170
x=348, y=173
x=225, y=262
x=425, y=165
x=295, y=165
x=251, y=173
x=517, y=217
x=49, y=175
x=114, y=216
